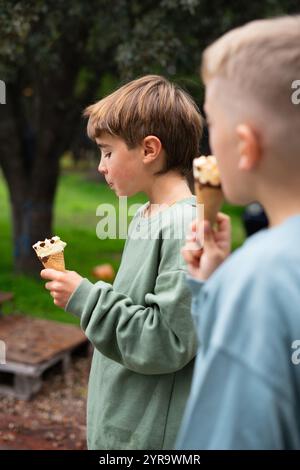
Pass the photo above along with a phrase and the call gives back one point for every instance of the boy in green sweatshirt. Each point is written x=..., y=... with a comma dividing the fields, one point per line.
x=148, y=132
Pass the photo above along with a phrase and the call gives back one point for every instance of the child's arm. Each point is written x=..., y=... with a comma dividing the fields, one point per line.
x=158, y=338
x=202, y=262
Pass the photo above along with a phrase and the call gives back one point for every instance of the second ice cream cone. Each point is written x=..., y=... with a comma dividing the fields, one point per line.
x=208, y=187
x=212, y=198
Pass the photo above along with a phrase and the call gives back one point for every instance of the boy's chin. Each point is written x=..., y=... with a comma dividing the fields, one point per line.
x=123, y=193
x=238, y=199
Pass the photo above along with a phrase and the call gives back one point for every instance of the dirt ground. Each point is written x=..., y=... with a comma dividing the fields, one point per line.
x=52, y=420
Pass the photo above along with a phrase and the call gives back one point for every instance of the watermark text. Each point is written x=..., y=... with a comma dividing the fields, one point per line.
x=296, y=94
x=296, y=354
x=2, y=352
x=2, y=92
x=165, y=221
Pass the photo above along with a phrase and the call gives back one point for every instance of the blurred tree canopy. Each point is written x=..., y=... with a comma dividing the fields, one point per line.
x=56, y=57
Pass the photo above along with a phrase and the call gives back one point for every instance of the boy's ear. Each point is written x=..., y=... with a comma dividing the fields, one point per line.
x=249, y=147
x=151, y=147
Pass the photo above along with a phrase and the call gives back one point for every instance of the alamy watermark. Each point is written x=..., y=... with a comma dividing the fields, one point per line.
x=296, y=354
x=295, y=97
x=2, y=352
x=2, y=92
x=163, y=224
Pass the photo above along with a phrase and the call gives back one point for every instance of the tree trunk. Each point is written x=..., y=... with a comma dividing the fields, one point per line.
x=32, y=221
x=32, y=216
x=30, y=164
x=33, y=136
x=30, y=224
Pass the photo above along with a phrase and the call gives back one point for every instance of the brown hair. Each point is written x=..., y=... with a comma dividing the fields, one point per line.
x=151, y=105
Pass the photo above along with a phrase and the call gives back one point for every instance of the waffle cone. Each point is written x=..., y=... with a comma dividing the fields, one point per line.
x=56, y=261
x=212, y=198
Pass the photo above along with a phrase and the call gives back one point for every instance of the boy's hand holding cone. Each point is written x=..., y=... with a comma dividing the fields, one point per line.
x=62, y=282
x=203, y=261
x=204, y=253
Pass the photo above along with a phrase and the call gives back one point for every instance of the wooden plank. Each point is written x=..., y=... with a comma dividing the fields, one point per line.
x=26, y=380
x=33, y=341
x=34, y=346
x=34, y=370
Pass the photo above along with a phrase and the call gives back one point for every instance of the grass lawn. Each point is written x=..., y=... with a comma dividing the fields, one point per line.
x=75, y=221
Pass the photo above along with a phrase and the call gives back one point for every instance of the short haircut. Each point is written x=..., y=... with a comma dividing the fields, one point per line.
x=259, y=63
x=151, y=105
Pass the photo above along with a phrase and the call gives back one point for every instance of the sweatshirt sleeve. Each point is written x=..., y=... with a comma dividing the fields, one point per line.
x=155, y=338
x=198, y=294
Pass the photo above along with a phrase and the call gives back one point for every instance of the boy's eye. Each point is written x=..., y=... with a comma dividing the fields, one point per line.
x=107, y=155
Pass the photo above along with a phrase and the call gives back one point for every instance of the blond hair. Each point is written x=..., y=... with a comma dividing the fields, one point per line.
x=151, y=105
x=260, y=61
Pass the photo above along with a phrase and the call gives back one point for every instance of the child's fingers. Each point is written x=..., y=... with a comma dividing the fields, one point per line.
x=187, y=256
x=52, y=286
x=223, y=229
x=192, y=247
x=48, y=285
x=209, y=235
x=195, y=263
x=193, y=225
x=51, y=274
x=191, y=253
x=196, y=232
x=223, y=222
x=196, y=228
x=191, y=237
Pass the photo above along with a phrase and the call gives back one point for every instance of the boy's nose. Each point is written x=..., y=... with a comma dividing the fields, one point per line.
x=101, y=168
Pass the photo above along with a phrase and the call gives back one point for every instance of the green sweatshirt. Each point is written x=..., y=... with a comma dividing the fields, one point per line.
x=143, y=335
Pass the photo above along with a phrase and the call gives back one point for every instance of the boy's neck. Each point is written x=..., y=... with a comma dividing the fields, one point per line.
x=167, y=189
x=281, y=203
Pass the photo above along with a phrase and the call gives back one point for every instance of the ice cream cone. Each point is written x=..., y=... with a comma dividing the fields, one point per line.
x=208, y=188
x=212, y=198
x=56, y=261
x=51, y=253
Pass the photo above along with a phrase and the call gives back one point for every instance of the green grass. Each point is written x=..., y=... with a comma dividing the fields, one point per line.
x=75, y=221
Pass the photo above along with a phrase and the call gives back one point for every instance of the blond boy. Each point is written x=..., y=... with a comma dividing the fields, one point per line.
x=246, y=384
x=148, y=132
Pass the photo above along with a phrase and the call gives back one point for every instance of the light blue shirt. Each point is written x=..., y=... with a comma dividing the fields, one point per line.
x=246, y=386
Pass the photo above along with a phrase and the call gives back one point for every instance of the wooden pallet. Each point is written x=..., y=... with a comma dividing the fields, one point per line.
x=35, y=346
